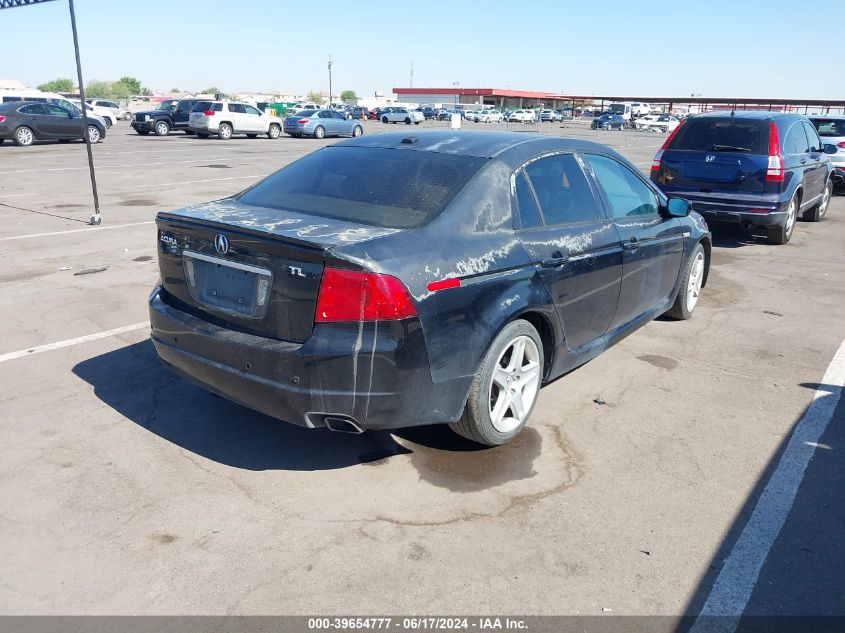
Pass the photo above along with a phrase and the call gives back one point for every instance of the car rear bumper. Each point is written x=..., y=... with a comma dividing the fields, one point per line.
x=295, y=130
x=839, y=174
x=375, y=374
x=735, y=208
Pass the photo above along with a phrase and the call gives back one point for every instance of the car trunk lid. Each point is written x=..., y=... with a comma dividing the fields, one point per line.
x=249, y=269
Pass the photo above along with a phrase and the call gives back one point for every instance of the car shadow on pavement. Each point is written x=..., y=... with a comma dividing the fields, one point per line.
x=800, y=586
x=133, y=381
x=734, y=236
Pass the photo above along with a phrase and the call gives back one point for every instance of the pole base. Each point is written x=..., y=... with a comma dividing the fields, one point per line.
x=95, y=220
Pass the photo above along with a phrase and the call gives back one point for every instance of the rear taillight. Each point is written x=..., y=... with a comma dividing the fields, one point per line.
x=302, y=121
x=841, y=145
x=208, y=113
x=655, y=164
x=774, y=169
x=348, y=295
x=2, y=118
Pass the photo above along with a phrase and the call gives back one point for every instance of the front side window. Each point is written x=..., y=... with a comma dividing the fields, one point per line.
x=624, y=193
x=185, y=106
x=250, y=110
x=55, y=110
x=562, y=190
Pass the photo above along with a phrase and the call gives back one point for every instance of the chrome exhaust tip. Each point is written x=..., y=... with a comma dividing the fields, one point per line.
x=342, y=425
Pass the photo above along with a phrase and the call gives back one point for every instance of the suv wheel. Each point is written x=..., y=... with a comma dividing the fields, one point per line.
x=319, y=132
x=162, y=128
x=274, y=132
x=357, y=130
x=224, y=131
x=816, y=214
x=506, y=387
x=782, y=233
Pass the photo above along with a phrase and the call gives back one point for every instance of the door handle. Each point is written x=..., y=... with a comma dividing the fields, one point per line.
x=631, y=245
x=554, y=262
x=803, y=161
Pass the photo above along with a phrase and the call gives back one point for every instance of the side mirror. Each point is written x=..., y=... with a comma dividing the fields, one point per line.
x=678, y=207
x=829, y=148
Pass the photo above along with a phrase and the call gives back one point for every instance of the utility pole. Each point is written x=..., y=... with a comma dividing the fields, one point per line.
x=330, y=80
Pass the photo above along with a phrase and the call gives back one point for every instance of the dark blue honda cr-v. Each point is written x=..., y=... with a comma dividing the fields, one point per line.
x=748, y=168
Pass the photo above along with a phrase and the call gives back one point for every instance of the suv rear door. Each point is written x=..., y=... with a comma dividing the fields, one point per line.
x=717, y=154
x=818, y=161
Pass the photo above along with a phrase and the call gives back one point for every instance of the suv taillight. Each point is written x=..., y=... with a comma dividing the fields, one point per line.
x=655, y=164
x=348, y=295
x=774, y=168
x=2, y=118
x=208, y=113
x=841, y=145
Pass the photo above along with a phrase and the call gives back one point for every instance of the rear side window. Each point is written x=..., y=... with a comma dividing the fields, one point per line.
x=376, y=186
x=529, y=212
x=626, y=195
x=236, y=107
x=562, y=190
x=201, y=106
x=812, y=137
x=32, y=109
x=11, y=99
x=795, y=141
x=723, y=134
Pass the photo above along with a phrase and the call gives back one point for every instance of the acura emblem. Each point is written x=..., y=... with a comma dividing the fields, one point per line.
x=221, y=244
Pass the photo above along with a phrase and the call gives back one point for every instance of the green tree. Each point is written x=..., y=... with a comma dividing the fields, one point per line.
x=99, y=90
x=316, y=97
x=348, y=95
x=134, y=85
x=122, y=90
x=210, y=91
x=174, y=90
x=57, y=85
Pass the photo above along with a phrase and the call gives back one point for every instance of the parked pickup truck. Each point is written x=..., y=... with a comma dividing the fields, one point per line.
x=169, y=115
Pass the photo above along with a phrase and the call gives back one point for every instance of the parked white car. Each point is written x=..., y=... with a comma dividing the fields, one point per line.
x=108, y=117
x=115, y=109
x=489, y=116
x=403, y=115
x=644, y=121
x=522, y=116
x=640, y=109
x=306, y=106
x=227, y=118
x=662, y=123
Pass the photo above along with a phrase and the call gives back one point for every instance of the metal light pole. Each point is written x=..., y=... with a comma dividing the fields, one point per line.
x=95, y=219
x=11, y=4
x=330, y=79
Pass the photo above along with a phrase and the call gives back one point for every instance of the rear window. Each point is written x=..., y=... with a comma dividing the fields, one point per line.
x=388, y=188
x=829, y=127
x=723, y=134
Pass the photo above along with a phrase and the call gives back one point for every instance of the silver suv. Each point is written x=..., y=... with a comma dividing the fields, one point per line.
x=226, y=118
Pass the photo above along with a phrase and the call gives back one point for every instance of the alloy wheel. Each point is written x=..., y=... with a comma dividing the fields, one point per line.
x=93, y=134
x=515, y=384
x=696, y=278
x=791, y=213
x=25, y=136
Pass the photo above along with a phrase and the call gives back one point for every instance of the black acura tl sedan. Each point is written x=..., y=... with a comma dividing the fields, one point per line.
x=439, y=277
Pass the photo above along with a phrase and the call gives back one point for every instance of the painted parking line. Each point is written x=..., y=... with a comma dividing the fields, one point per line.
x=175, y=162
x=19, y=195
x=733, y=587
x=73, y=341
x=88, y=230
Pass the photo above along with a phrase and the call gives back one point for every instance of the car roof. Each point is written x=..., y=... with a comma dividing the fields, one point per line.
x=755, y=115
x=838, y=117
x=478, y=144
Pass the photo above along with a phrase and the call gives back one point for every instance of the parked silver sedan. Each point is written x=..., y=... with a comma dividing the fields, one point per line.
x=322, y=123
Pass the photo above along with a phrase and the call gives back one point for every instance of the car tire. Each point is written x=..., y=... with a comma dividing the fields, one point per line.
x=319, y=132
x=142, y=132
x=94, y=135
x=127, y=116
x=189, y=132
x=24, y=137
x=357, y=131
x=224, y=131
x=499, y=389
x=274, y=132
x=689, y=289
x=252, y=135
x=816, y=214
x=107, y=122
x=348, y=117
x=162, y=128
x=407, y=121
x=782, y=233
x=384, y=119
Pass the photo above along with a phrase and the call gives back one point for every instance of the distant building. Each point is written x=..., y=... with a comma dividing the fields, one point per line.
x=11, y=84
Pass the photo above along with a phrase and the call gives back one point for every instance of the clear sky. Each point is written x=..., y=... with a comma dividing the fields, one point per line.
x=755, y=48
